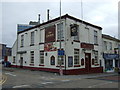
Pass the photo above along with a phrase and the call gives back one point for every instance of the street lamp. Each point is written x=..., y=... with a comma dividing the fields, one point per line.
x=60, y=57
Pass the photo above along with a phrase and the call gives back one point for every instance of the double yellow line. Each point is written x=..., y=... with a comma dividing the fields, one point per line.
x=4, y=78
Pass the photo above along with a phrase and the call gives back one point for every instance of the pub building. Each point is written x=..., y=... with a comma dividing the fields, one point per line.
x=38, y=47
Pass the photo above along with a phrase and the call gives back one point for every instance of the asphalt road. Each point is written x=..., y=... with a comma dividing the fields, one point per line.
x=19, y=78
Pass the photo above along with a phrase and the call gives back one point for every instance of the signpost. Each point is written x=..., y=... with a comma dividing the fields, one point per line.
x=61, y=53
x=60, y=58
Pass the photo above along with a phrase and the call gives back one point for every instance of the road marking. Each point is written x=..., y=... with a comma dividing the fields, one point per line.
x=47, y=82
x=52, y=78
x=20, y=86
x=99, y=84
x=4, y=78
x=43, y=77
x=65, y=80
x=10, y=74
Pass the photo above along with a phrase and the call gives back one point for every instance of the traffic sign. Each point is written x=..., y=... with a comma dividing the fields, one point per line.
x=61, y=52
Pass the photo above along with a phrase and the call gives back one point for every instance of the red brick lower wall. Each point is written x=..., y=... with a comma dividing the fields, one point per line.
x=84, y=71
x=65, y=72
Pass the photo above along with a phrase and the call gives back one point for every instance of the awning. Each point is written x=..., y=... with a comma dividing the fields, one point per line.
x=110, y=56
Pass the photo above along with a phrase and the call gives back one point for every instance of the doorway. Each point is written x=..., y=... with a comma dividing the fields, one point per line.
x=87, y=62
x=21, y=62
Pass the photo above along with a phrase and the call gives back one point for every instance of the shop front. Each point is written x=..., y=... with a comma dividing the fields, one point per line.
x=111, y=61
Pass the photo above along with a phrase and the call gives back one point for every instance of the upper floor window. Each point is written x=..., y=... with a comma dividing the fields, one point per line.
x=32, y=37
x=60, y=32
x=95, y=37
x=76, y=56
x=105, y=45
x=22, y=40
x=110, y=45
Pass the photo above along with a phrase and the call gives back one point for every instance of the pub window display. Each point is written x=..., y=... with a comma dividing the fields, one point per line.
x=52, y=60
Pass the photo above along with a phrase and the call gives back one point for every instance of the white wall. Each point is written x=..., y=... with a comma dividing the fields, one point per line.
x=85, y=35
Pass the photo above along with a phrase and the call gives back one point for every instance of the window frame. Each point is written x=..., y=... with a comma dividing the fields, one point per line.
x=32, y=37
x=41, y=56
x=110, y=45
x=14, y=59
x=62, y=31
x=32, y=57
x=22, y=40
x=96, y=57
x=95, y=37
x=51, y=58
x=76, y=56
x=62, y=60
x=105, y=45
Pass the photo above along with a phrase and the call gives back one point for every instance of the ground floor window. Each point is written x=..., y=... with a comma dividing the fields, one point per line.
x=96, y=57
x=52, y=60
x=109, y=64
x=13, y=59
x=61, y=61
x=116, y=63
x=76, y=56
x=32, y=57
x=41, y=57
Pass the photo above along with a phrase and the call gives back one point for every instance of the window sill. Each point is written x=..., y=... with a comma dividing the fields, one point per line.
x=59, y=40
x=41, y=65
x=21, y=46
x=76, y=65
x=96, y=64
x=31, y=44
x=31, y=64
x=82, y=64
x=76, y=41
x=41, y=43
x=96, y=44
x=59, y=66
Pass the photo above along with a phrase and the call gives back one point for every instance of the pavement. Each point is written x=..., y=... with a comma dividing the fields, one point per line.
x=23, y=78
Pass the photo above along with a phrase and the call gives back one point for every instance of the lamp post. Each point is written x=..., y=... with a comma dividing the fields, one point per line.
x=60, y=57
x=118, y=56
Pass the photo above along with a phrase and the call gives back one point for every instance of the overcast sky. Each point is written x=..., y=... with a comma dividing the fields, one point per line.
x=103, y=13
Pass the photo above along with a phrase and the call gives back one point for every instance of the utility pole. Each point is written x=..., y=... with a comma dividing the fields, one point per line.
x=60, y=57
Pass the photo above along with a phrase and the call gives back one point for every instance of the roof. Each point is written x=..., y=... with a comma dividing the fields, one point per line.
x=110, y=37
x=62, y=17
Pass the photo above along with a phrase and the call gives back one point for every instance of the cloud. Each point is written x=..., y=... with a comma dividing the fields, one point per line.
x=102, y=13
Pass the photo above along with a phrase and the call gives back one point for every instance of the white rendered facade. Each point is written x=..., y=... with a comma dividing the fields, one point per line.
x=88, y=42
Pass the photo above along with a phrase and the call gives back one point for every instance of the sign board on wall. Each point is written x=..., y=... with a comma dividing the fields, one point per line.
x=50, y=34
x=61, y=52
x=87, y=46
x=50, y=47
x=74, y=29
x=110, y=56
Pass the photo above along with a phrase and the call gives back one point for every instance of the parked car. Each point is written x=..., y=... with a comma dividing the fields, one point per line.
x=6, y=63
x=1, y=60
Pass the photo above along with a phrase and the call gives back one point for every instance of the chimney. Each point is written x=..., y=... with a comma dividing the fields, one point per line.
x=48, y=15
x=38, y=18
